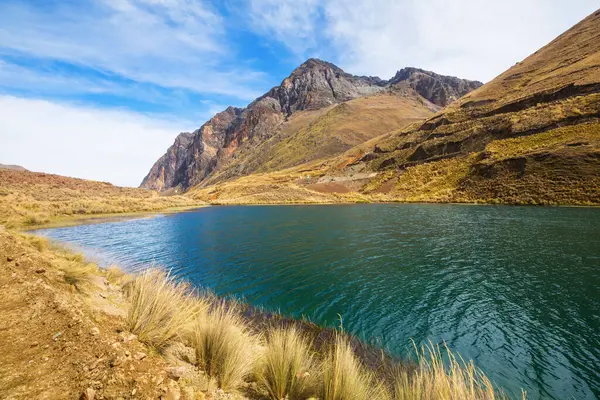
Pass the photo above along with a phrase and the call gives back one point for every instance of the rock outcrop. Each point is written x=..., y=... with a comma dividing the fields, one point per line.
x=440, y=90
x=314, y=85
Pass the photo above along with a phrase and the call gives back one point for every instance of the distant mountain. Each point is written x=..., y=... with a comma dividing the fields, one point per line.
x=16, y=167
x=301, y=120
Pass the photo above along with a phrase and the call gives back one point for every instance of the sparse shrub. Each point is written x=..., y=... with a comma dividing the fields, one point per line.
x=344, y=377
x=225, y=349
x=287, y=365
x=161, y=308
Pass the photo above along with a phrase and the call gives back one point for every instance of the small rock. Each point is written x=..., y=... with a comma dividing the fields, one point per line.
x=17, y=263
x=127, y=337
x=127, y=353
x=40, y=270
x=95, y=363
x=95, y=331
x=175, y=372
x=56, y=336
x=115, y=362
x=45, y=359
x=88, y=394
x=139, y=356
x=34, y=344
x=102, y=295
x=134, y=391
x=9, y=258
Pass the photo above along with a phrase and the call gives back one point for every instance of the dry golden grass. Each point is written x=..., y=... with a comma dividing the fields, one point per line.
x=344, y=377
x=117, y=276
x=287, y=367
x=30, y=199
x=435, y=379
x=161, y=308
x=588, y=134
x=436, y=181
x=78, y=273
x=225, y=348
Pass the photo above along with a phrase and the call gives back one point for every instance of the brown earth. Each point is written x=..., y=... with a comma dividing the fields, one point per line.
x=56, y=341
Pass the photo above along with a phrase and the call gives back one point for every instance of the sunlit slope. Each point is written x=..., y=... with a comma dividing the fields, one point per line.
x=32, y=199
x=322, y=134
x=550, y=104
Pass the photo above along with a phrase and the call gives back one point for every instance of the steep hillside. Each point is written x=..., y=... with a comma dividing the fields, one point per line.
x=300, y=117
x=530, y=136
x=318, y=135
x=32, y=199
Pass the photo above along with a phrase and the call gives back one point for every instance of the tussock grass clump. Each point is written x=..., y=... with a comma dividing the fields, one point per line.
x=435, y=379
x=225, y=348
x=77, y=273
x=344, y=377
x=161, y=308
x=287, y=367
x=39, y=242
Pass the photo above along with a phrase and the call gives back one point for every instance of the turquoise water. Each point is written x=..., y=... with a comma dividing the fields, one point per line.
x=517, y=289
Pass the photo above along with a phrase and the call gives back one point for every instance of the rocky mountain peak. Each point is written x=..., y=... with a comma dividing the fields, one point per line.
x=314, y=85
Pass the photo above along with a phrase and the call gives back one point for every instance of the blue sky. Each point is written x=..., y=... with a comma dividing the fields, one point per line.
x=100, y=88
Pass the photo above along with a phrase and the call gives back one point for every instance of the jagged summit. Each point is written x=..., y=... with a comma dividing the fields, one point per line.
x=314, y=85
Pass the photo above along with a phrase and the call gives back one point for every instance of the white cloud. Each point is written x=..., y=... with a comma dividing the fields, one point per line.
x=108, y=145
x=170, y=43
x=291, y=22
x=472, y=39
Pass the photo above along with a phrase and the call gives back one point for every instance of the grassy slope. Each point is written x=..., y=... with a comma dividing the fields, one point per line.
x=322, y=134
x=546, y=110
x=532, y=135
x=31, y=199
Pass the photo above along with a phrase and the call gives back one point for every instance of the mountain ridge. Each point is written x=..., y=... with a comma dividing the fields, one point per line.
x=314, y=85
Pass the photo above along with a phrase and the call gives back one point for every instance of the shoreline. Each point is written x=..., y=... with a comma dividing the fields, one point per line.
x=64, y=222
x=92, y=219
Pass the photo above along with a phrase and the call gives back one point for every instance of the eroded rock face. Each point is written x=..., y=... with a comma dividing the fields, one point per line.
x=440, y=90
x=315, y=84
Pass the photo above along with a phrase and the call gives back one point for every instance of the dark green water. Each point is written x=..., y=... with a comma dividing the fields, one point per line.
x=517, y=289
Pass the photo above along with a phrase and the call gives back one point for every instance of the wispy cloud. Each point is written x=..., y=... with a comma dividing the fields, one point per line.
x=110, y=145
x=468, y=38
x=170, y=43
x=291, y=22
